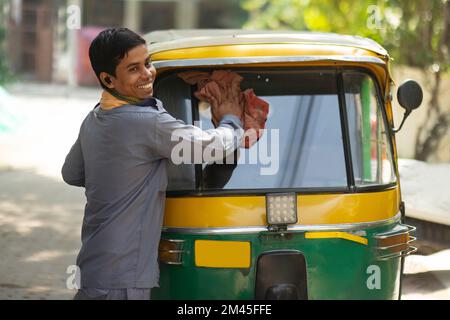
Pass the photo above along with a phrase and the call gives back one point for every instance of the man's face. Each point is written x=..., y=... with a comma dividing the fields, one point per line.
x=135, y=74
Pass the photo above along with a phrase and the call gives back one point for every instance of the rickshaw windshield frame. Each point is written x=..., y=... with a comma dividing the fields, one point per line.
x=351, y=186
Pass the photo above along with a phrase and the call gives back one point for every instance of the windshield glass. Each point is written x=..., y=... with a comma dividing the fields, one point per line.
x=301, y=146
x=371, y=152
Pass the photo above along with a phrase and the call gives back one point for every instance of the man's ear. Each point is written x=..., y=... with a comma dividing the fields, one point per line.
x=106, y=80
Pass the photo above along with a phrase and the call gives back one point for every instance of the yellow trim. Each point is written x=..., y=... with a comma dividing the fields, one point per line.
x=341, y=235
x=239, y=211
x=274, y=49
x=266, y=49
x=278, y=49
x=222, y=254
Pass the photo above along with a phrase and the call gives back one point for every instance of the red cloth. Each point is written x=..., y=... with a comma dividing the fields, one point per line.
x=255, y=109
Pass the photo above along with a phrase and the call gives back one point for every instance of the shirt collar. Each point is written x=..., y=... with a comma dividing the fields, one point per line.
x=108, y=102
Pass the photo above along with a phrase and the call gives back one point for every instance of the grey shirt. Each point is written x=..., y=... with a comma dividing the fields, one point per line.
x=120, y=158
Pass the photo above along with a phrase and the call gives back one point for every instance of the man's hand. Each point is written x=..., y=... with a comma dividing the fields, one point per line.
x=230, y=104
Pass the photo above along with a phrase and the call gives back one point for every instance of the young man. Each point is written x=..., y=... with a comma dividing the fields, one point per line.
x=120, y=158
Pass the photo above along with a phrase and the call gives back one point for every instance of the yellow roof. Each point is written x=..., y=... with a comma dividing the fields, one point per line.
x=193, y=48
x=168, y=40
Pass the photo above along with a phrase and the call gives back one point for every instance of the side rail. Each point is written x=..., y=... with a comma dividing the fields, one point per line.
x=395, y=243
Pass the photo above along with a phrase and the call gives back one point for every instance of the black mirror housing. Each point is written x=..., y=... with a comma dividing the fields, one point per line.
x=410, y=95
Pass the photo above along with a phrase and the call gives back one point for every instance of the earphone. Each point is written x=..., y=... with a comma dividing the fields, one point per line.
x=108, y=80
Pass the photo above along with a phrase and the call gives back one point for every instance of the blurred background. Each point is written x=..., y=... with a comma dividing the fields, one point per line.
x=47, y=87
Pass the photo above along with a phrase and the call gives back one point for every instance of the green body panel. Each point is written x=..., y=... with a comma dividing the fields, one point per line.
x=336, y=268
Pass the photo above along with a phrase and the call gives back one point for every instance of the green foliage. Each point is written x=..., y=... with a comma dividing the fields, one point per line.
x=5, y=73
x=412, y=31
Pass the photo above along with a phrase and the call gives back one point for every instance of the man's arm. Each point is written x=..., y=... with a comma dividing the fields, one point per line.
x=173, y=135
x=73, y=168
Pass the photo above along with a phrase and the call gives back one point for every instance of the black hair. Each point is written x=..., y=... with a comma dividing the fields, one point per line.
x=110, y=47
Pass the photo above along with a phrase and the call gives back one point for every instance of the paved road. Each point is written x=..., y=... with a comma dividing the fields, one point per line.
x=40, y=216
x=40, y=220
x=427, y=277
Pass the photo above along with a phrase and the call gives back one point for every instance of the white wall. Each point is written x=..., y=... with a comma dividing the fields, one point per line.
x=407, y=136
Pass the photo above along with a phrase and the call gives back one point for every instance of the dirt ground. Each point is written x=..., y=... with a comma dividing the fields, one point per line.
x=41, y=216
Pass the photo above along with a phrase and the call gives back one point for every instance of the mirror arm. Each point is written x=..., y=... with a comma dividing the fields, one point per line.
x=407, y=113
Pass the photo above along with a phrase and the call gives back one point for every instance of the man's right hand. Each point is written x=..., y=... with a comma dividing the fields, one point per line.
x=230, y=104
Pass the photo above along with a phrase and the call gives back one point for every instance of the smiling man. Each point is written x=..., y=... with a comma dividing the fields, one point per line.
x=120, y=158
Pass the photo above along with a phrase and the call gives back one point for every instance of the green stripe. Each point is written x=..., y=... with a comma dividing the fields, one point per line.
x=366, y=129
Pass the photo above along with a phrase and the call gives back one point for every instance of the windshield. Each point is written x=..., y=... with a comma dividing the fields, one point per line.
x=302, y=144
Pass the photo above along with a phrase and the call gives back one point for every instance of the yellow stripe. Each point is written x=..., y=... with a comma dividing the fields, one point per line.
x=222, y=254
x=275, y=49
x=269, y=49
x=341, y=235
x=238, y=211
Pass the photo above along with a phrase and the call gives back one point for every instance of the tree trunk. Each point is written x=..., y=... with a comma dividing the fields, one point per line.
x=437, y=123
x=435, y=126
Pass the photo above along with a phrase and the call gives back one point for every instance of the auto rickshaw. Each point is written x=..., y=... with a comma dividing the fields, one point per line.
x=327, y=222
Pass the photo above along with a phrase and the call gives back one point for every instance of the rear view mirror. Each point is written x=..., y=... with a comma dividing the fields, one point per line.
x=409, y=96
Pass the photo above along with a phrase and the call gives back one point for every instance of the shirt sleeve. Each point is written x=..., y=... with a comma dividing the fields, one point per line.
x=183, y=143
x=73, y=168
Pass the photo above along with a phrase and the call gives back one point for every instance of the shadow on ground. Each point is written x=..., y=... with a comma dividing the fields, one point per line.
x=40, y=223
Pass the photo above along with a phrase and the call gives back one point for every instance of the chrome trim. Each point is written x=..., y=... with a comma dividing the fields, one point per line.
x=258, y=59
x=393, y=233
x=346, y=226
x=172, y=263
x=381, y=237
x=400, y=254
x=214, y=230
x=179, y=256
x=172, y=251
x=249, y=229
x=174, y=240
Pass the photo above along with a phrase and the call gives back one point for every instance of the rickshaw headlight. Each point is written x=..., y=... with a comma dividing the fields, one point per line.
x=281, y=208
